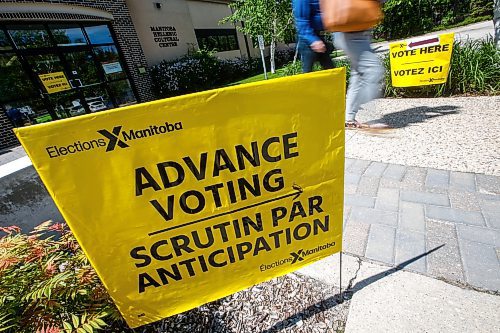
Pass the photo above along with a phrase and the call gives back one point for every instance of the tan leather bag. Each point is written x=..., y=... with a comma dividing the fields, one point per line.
x=350, y=15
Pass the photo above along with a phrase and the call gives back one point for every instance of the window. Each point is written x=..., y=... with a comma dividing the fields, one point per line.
x=122, y=92
x=27, y=112
x=219, y=40
x=67, y=104
x=99, y=34
x=45, y=63
x=97, y=98
x=68, y=36
x=109, y=59
x=83, y=68
x=14, y=83
x=4, y=42
x=30, y=36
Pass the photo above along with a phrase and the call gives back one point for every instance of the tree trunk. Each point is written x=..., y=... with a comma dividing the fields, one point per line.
x=273, y=51
x=273, y=46
x=296, y=52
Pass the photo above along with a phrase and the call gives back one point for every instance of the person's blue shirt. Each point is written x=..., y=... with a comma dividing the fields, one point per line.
x=307, y=19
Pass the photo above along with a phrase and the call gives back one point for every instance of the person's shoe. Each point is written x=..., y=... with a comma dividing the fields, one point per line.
x=354, y=124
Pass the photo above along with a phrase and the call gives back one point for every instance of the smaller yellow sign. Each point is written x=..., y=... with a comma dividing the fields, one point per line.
x=54, y=82
x=421, y=61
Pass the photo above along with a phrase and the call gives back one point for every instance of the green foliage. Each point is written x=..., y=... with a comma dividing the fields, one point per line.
x=292, y=68
x=481, y=8
x=405, y=18
x=198, y=71
x=47, y=284
x=474, y=70
x=201, y=70
x=271, y=19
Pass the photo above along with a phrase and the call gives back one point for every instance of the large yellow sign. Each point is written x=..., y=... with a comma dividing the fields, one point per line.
x=186, y=200
x=421, y=61
x=54, y=82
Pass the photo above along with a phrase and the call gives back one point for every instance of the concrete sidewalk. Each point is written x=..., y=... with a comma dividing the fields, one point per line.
x=391, y=300
x=422, y=218
x=432, y=180
x=394, y=213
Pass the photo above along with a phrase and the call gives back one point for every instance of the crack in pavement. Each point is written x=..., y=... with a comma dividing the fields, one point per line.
x=351, y=281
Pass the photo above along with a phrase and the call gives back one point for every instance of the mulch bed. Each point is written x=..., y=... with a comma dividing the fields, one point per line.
x=292, y=303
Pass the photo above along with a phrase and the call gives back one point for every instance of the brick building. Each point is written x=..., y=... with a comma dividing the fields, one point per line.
x=63, y=58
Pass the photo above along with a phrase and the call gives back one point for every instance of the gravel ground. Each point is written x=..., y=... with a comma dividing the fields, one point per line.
x=292, y=303
x=458, y=134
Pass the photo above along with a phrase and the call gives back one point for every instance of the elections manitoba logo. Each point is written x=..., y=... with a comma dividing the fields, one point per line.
x=296, y=256
x=111, y=139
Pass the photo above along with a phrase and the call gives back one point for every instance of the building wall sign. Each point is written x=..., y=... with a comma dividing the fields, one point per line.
x=54, y=82
x=165, y=36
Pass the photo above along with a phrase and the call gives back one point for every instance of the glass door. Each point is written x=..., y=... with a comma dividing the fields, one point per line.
x=55, y=81
x=86, y=76
x=54, y=71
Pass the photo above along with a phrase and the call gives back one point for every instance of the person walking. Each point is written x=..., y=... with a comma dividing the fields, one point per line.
x=367, y=73
x=312, y=46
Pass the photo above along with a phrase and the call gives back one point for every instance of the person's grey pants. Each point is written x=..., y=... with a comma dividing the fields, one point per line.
x=366, y=70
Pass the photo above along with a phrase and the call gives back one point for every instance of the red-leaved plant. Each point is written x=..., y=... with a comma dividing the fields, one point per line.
x=48, y=286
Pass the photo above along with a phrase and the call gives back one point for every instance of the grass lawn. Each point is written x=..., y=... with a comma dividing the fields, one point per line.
x=259, y=77
x=279, y=73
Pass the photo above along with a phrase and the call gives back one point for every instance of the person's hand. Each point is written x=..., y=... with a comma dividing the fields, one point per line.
x=318, y=46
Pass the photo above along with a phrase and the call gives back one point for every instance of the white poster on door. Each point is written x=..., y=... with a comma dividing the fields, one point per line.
x=112, y=67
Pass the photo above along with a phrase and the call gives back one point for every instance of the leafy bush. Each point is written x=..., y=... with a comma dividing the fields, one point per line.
x=475, y=69
x=48, y=285
x=404, y=18
x=292, y=68
x=199, y=71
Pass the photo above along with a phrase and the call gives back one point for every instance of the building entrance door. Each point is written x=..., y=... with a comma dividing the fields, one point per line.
x=60, y=71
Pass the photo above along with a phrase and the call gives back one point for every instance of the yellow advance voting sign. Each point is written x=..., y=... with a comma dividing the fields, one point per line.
x=182, y=201
x=421, y=61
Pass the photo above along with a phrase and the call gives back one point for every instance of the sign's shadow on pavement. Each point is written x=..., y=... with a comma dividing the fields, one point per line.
x=346, y=295
x=415, y=115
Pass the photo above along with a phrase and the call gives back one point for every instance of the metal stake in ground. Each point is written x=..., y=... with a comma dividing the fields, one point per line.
x=340, y=282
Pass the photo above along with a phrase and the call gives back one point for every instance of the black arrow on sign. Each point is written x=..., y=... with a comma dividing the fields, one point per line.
x=295, y=194
x=424, y=42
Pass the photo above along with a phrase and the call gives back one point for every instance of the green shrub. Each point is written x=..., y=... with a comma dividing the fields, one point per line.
x=475, y=70
x=198, y=71
x=202, y=70
x=48, y=285
x=405, y=18
x=291, y=69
